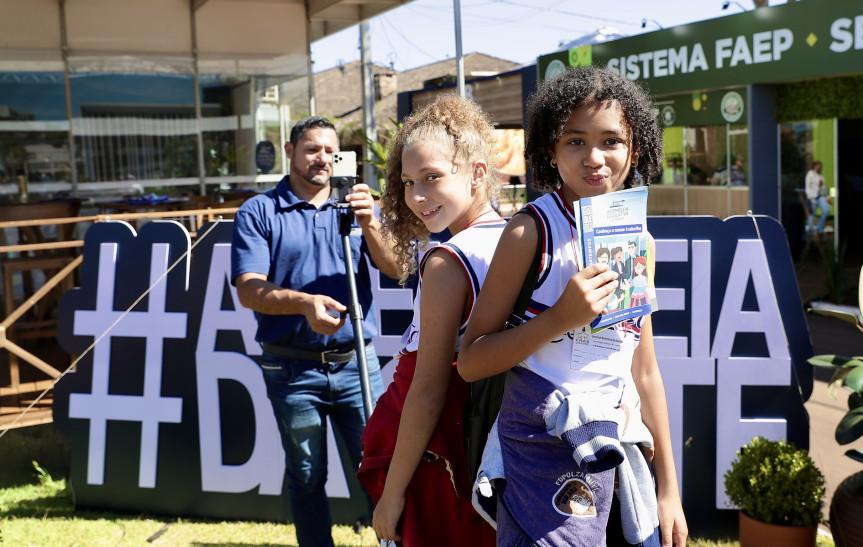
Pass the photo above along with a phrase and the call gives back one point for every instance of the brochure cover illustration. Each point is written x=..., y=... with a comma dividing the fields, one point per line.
x=612, y=229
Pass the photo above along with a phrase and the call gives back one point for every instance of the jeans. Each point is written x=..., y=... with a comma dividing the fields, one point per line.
x=818, y=203
x=303, y=393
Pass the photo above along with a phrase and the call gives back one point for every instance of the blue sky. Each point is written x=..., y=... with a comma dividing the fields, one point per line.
x=423, y=31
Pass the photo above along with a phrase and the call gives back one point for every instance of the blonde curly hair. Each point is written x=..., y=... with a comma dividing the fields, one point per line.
x=458, y=125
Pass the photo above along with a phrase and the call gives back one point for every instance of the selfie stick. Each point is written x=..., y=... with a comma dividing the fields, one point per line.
x=356, y=311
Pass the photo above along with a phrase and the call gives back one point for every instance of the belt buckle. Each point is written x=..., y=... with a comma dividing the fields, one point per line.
x=339, y=355
x=325, y=356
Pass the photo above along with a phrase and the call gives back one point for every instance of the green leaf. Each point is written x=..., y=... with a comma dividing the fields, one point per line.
x=836, y=382
x=855, y=454
x=829, y=360
x=854, y=380
x=850, y=428
x=837, y=314
x=855, y=400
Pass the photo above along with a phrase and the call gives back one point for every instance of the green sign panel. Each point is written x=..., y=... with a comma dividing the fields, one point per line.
x=702, y=108
x=787, y=42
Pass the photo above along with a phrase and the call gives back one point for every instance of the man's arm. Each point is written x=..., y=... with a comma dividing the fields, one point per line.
x=322, y=312
x=363, y=206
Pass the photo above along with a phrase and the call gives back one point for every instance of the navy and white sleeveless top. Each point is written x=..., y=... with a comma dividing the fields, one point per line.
x=578, y=361
x=473, y=247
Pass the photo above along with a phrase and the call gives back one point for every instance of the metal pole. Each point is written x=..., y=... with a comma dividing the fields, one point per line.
x=836, y=207
x=685, y=171
x=67, y=91
x=369, y=125
x=199, y=127
x=459, y=59
x=356, y=312
x=728, y=169
x=311, y=76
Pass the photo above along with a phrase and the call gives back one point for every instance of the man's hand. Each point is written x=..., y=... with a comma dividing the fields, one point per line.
x=362, y=204
x=324, y=314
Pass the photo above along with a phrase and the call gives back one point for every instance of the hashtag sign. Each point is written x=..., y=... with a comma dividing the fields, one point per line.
x=149, y=409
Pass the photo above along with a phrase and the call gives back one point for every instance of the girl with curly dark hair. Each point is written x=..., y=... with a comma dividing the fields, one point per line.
x=551, y=107
x=583, y=412
x=440, y=174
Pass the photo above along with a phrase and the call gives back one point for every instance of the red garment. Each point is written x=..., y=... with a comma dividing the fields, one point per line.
x=438, y=510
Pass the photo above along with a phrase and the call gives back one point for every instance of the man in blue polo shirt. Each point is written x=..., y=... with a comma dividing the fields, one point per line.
x=288, y=265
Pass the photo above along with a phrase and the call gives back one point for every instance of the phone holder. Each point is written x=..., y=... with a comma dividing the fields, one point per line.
x=341, y=187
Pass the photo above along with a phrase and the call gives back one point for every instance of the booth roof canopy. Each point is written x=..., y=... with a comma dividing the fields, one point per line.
x=331, y=16
x=266, y=36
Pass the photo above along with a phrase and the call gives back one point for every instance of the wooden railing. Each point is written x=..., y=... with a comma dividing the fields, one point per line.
x=29, y=403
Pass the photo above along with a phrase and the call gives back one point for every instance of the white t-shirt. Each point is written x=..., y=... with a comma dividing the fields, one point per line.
x=814, y=183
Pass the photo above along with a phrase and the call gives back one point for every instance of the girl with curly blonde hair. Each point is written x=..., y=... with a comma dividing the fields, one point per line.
x=440, y=176
x=461, y=129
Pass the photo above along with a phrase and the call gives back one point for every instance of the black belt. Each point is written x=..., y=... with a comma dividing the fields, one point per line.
x=332, y=356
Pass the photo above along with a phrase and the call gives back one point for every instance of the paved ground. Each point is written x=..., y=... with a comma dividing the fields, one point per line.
x=829, y=336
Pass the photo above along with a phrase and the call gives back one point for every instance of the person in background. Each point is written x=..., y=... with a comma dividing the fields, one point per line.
x=816, y=196
x=737, y=178
x=288, y=264
x=440, y=175
x=738, y=174
x=569, y=392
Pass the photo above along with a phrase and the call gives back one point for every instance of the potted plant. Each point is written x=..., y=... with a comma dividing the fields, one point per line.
x=779, y=491
x=846, y=505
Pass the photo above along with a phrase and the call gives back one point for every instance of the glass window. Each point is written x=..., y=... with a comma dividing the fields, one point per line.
x=133, y=125
x=34, y=138
x=704, y=171
x=715, y=151
x=238, y=112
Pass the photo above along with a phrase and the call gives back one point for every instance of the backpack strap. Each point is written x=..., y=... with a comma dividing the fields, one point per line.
x=516, y=318
x=486, y=395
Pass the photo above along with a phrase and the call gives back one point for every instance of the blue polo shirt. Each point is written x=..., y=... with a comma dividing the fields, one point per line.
x=299, y=247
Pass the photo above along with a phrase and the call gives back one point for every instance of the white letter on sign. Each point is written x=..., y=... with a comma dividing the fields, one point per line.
x=749, y=262
x=266, y=465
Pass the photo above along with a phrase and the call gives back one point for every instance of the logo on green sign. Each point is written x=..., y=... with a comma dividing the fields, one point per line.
x=667, y=115
x=731, y=106
x=554, y=68
x=581, y=56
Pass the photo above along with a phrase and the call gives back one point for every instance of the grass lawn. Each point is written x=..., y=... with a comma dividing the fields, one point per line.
x=37, y=510
x=43, y=514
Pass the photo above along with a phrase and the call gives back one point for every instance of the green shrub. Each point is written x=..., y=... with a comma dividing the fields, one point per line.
x=777, y=483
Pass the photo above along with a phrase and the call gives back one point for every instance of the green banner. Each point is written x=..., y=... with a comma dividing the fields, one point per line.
x=702, y=108
x=791, y=41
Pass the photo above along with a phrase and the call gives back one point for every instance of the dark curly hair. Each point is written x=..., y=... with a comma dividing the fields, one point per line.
x=552, y=104
x=460, y=127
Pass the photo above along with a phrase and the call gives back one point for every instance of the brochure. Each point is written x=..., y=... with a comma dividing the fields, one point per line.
x=612, y=229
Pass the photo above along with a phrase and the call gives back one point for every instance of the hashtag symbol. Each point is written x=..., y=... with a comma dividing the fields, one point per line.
x=155, y=325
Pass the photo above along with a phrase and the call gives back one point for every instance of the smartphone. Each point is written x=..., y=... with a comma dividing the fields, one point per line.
x=344, y=175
